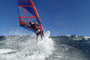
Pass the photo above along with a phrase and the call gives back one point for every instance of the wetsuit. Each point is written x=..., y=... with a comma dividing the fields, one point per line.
x=36, y=29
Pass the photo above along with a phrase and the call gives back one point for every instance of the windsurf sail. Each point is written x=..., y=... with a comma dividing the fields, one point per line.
x=27, y=13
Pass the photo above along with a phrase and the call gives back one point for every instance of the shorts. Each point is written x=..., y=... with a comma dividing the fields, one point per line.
x=37, y=31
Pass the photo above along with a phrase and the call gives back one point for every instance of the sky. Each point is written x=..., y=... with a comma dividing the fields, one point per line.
x=60, y=17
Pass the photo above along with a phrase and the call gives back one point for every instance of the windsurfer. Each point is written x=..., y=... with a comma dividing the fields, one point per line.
x=28, y=14
x=35, y=27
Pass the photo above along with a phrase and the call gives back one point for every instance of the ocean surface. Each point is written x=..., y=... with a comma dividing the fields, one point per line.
x=67, y=47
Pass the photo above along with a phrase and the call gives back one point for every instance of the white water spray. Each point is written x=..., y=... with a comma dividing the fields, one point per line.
x=27, y=48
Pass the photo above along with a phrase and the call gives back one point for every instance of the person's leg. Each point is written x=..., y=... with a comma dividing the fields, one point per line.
x=42, y=35
x=39, y=33
x=37, y=36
